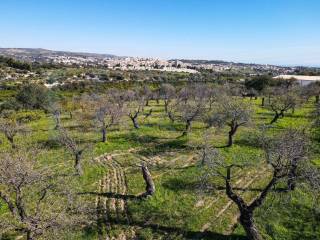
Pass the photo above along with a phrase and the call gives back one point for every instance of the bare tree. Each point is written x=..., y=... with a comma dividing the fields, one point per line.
x=189, y=107
x=293, y=145
x=108, y=115
x=213, y=94
x=134, y=106
x=55, y=109
x=146, y=92
x=73, y=147
x=312, y=90
x=281, y=101
x=37, y=200
x=70, y=105
x=167, y=93
x=316, y=115
x=117, y=96
x=10, y=128
x=287, y=160
x=231, y=112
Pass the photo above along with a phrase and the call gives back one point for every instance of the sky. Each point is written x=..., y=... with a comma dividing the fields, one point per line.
x=283, y=32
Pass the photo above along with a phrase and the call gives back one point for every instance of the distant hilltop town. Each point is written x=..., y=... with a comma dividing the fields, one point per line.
x=133, y=63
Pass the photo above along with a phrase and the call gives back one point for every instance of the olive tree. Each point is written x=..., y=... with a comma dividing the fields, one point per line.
x=70, y=105
x=73, y=146
x=134, y=106
x=108, y=115
x=312, y=90
x=55, y=109
x=10, y=128
x=232, y=113
x=287, y=158
x=38, y=201
x=34, y=96
x=147, y=93
x=281, y=101
x=214, y=94
x=167, y=93
x=190, y=106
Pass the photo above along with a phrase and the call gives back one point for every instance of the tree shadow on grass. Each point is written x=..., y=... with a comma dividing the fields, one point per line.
x=113, y=195
x=166, y=127
x=50, y=143
x=171, y=145
x=177, y=184
x=249, y=141
x=136, y=138
x=53, y=143
x=168, y=231
x=278, y=190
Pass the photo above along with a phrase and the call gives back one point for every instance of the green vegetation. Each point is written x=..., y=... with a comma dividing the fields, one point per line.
x=110, y=184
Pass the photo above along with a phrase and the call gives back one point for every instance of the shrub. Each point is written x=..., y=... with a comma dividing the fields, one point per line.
x=34, y=96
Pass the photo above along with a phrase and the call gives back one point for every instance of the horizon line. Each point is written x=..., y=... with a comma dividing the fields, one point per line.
x=167, y=59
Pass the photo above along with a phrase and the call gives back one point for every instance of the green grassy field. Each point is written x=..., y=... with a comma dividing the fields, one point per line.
x=179, y=209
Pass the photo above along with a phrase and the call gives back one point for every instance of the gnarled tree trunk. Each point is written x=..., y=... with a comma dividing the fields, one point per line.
x=10, y=139
x=187, y=128
x=29, y=235
x=231, y=133
x=292, y=175
x=150, y=187
x=104, y=134
x=247, y=222
x=275, y=118
x=135, y=122
x=77, y=164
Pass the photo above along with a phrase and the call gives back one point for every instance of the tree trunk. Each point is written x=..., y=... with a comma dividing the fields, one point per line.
x=166, y=103
x=104, y=134
x=262, y=102
x=230, y=138
x=275, y=118
x=247, y=222
x=29, y=235
x=135, y=122
x=317, y=99
x=292, y=175
x=77, y=164
x=170, y=116
x=150, y=187
x=57, y=123
x=148, y=114
x=210, y=105
x=230, y=135
x=10, y=139
x=147, y=102
x=187, y=129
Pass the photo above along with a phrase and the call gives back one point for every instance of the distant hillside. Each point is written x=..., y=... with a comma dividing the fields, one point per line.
x=42, y=55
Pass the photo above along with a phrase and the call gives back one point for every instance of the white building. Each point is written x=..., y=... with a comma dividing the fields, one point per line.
x=302, y=79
